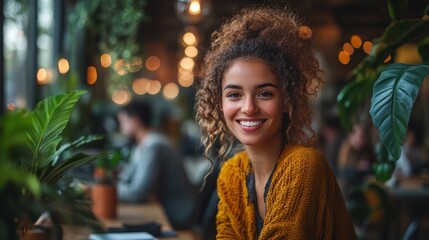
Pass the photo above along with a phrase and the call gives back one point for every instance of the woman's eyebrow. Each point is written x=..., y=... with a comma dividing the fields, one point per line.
x=266, y=85
x=233, y=86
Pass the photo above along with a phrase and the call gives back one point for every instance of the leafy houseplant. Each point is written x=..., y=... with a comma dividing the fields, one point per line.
x=393, y=87
x=43, y=159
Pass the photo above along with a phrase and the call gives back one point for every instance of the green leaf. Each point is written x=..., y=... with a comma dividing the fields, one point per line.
x=53, y=174
x=395, y=35
x=77, y=143
x=353, y=96
x=383, y=170
x=48, y=122
x=396, y=8
x=393, y=97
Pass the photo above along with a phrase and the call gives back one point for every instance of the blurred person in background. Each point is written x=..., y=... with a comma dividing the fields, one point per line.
x=155, y=169
x=355, y=158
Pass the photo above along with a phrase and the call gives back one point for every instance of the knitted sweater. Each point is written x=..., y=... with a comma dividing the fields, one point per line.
x=303, y=201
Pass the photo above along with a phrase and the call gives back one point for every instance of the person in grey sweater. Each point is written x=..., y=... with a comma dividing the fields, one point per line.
x=154, y=170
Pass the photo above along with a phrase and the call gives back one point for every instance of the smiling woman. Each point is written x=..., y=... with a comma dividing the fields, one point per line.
x=257, y=80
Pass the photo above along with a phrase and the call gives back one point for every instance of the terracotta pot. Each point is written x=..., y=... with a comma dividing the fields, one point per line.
x=104, y=200
x=35, y=234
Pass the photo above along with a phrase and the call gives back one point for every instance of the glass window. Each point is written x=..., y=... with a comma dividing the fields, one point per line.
x=15, y=52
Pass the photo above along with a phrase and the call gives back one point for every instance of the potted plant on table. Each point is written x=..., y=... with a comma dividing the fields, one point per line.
x=42, y=159
x=103, y=190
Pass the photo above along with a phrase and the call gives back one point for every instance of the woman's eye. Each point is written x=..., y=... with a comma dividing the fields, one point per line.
x=265, y=94
x=233, y=95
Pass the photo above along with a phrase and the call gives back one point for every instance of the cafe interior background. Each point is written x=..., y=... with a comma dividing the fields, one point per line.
x=149, y=50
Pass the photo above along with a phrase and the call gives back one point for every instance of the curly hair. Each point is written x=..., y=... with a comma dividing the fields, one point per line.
x=278, y=39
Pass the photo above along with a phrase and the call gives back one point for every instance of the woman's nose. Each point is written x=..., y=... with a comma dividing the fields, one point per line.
x=249, y=105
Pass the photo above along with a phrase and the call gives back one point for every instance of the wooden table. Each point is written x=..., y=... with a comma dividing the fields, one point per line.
x=132, y=214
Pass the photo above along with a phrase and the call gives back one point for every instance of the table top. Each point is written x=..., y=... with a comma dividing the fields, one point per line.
x=411, y=187
x=132, y=214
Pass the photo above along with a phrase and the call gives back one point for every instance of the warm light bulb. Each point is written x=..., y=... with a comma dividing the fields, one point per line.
x=194, y=8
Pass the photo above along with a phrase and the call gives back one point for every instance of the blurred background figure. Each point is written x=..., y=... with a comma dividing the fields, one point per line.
x=154, y=169
x=355, y=158
x=331, y=139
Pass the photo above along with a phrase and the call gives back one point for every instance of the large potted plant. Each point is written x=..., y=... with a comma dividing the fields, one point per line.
x=393, y=88
x=41, y=157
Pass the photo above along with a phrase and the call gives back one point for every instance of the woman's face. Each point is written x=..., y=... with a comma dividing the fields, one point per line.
x=252, y=102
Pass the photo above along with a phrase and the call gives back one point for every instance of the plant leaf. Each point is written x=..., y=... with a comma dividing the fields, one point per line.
x=395, y=35
x=396, y=8
x=48, y=122
x=353, y=96
x=76, y=143
x=393, y=97
x=53, y=174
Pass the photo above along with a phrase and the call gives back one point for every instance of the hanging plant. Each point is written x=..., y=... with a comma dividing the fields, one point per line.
x=114, y=24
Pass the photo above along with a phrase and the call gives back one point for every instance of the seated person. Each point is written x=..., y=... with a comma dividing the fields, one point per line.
x=154, y=168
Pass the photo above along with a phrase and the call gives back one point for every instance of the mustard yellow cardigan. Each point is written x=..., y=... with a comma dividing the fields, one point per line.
x=303, y=200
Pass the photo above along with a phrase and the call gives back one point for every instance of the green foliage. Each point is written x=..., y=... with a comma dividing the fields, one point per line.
x=394, y=94
x=48, y=122
x=114, y=23
x=396, y=8
x=33, y=162
x=395, y=86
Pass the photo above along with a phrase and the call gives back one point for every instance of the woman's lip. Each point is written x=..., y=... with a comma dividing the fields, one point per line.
x=248, y=125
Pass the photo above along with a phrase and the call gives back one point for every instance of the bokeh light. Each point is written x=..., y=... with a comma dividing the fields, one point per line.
x=42, y=76
x=189, y=39
x=140, y=86
x=121, y=67
x=105, y=60
x=194, y=7
x=154, y=87
x=367, y=46
x=356, y=41
x=348, y=48
x=187, y=63
x=344, y=57
x=186, y=79
x=91, y=75
x=63, y=66
x=152, y=63
x=191, y=51
x=170, y=91
x=121, y=96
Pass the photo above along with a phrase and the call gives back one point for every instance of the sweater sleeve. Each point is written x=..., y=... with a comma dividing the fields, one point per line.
x=143, y=178
x=224, y=226
x=303, y=200
x=234, y=213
